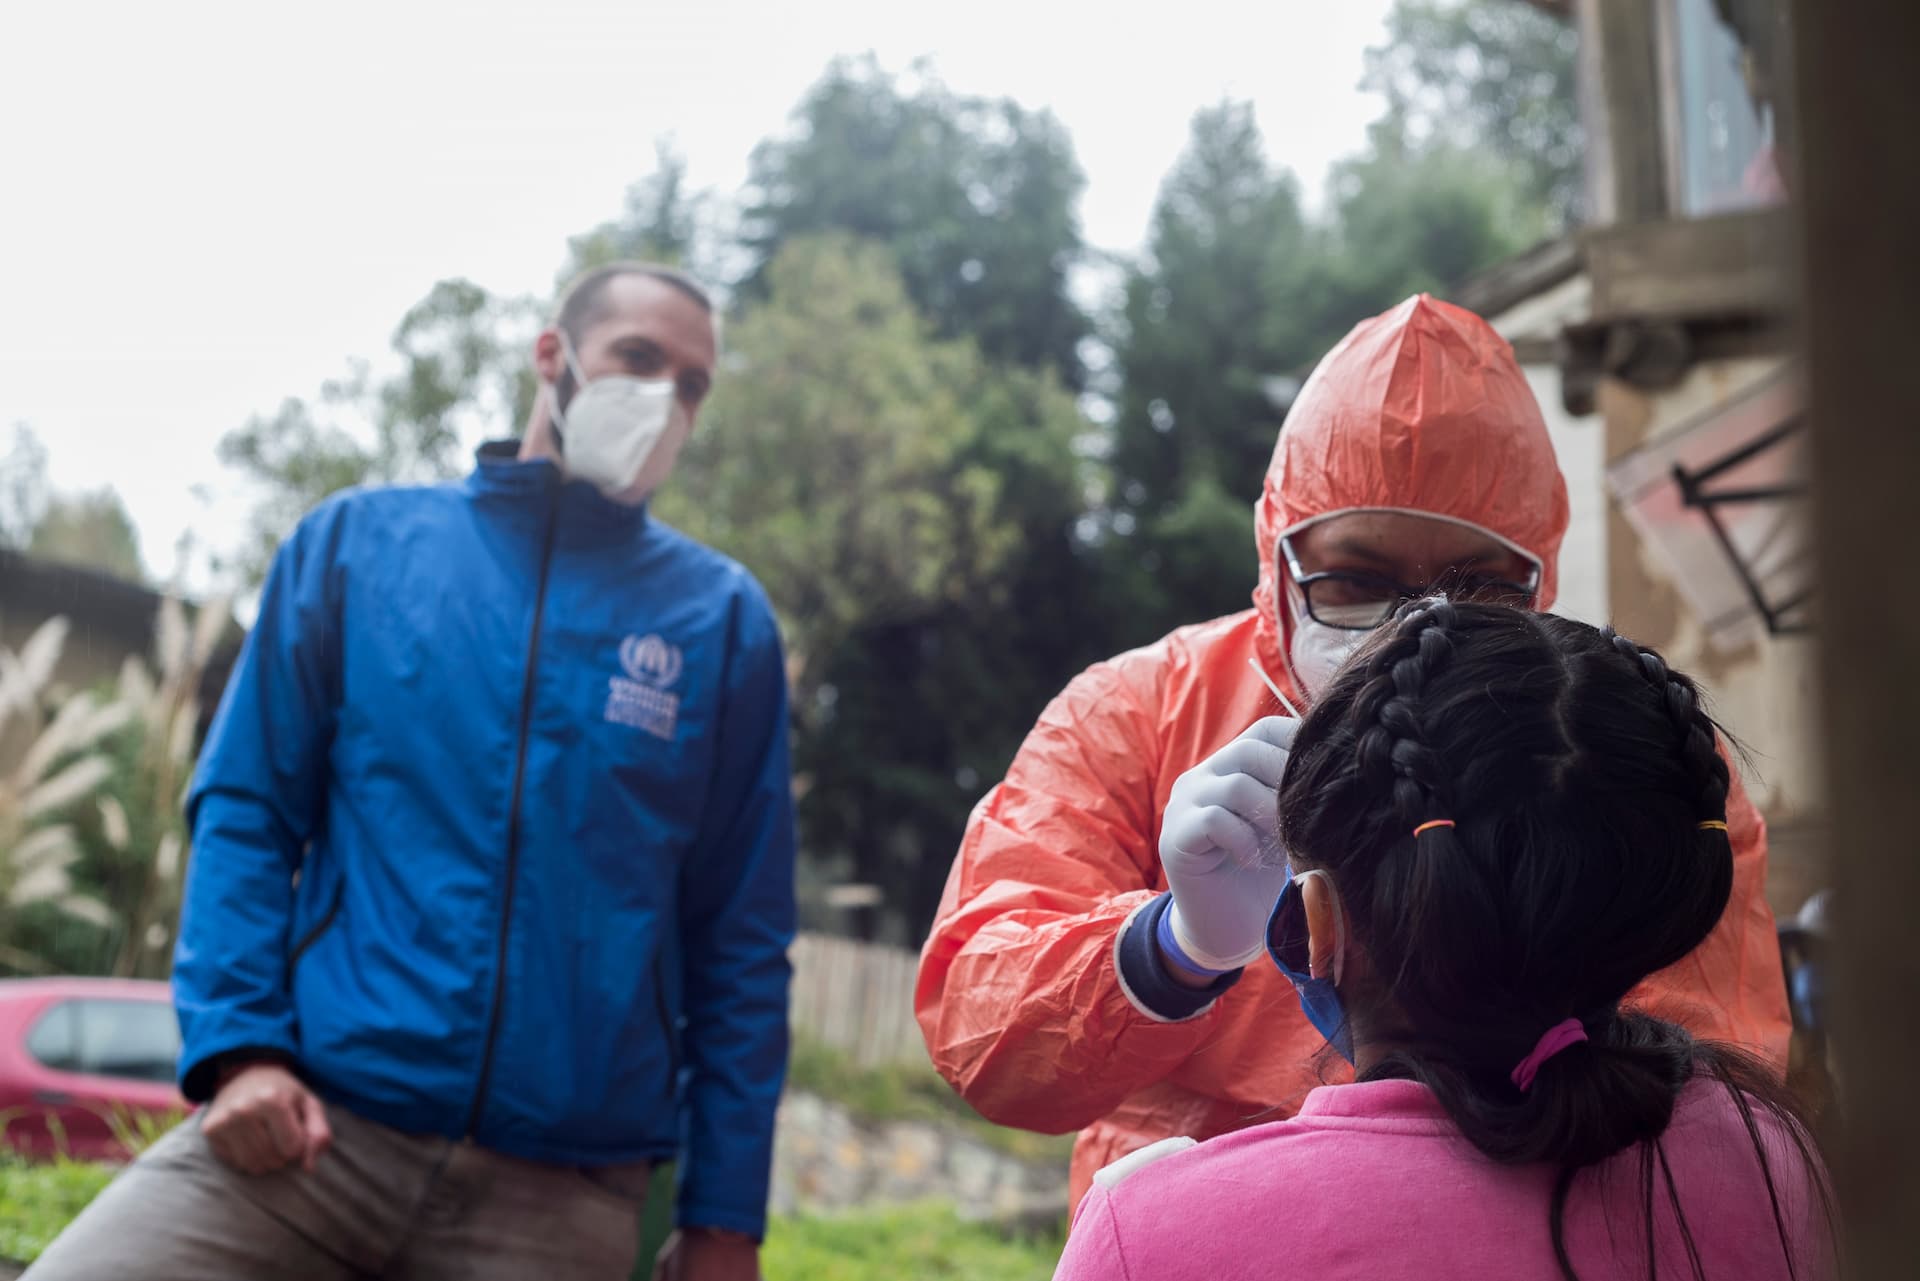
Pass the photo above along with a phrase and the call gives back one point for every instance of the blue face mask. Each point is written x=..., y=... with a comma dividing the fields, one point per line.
x=1287, y=945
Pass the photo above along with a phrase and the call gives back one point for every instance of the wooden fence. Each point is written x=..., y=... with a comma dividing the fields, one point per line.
x=857, y=998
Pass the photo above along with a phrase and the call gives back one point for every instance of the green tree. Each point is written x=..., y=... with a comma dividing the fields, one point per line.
x=1411, y=219
x=1209, y=322
x=832, y=467
x=91, y=529
x=884, y=484
x=1494, y=78
x=974, y=198
x=929, y=711
x=23, y=488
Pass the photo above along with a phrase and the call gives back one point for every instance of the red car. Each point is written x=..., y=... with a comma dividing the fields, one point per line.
x=84, y=1063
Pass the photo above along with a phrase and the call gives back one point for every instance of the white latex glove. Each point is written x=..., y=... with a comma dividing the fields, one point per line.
x=1217, y=845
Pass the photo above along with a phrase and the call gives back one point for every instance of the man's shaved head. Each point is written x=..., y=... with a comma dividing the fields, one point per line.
x=585, y=299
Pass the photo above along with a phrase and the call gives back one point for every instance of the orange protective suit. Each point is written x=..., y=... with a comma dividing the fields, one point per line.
x=1420, y=409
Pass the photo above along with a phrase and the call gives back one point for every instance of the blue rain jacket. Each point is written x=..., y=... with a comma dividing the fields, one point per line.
x=493, y=833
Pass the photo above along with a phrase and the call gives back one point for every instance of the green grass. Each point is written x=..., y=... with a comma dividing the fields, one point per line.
x=37, y=1201
x=911, y=1092
x=911, y=1241
x=927, y=1240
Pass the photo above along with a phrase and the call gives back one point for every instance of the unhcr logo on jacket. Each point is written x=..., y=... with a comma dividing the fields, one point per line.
x=641, y=697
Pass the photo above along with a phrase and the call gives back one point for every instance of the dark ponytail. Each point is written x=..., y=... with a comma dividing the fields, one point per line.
x=1584, y=847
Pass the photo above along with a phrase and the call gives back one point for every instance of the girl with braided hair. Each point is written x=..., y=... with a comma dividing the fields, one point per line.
x=1495, y=824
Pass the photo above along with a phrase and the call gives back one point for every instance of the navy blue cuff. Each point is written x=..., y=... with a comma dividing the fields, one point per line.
x=1175, y=957
x=1145, y=973
x=202, y=1081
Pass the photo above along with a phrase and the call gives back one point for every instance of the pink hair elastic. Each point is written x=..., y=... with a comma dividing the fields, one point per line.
x=1556, y=1038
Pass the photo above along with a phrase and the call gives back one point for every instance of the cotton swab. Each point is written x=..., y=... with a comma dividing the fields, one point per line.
x=1267, y=680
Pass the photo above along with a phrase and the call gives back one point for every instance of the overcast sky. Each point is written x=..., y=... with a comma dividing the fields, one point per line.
x=212, y=206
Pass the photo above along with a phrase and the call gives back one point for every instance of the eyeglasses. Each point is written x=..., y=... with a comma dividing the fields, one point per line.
x=1354, y=601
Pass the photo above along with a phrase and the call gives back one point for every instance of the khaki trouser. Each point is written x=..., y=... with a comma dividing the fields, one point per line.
x=380, y=1204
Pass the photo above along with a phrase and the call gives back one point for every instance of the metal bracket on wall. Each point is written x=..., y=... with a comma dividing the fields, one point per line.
x=1785, y=617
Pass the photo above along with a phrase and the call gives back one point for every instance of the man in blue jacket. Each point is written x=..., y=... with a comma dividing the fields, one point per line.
x=492, y=877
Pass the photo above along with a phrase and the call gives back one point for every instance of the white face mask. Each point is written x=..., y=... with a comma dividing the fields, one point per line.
x=622, y=434
x=1318, y=651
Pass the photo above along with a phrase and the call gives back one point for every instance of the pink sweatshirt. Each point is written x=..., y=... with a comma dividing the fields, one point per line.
x=1374, y=1181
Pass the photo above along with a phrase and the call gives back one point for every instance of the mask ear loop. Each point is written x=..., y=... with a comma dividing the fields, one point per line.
x=573, y=363
x=555, y=419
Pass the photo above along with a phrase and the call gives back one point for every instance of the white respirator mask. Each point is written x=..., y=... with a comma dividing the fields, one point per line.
x=621, y=434
x=1318, y=651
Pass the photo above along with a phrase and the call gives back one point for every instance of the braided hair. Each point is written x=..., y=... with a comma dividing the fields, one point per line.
x=1587, y=850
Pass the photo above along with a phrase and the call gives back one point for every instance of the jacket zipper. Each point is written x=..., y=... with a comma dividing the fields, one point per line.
x=667, y=1029
x=312, y=936
x=513, y=820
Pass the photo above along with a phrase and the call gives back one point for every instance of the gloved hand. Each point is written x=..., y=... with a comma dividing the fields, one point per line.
x=1217, y=843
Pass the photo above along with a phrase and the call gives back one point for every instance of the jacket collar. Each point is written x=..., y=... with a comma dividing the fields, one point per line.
x=500, y=472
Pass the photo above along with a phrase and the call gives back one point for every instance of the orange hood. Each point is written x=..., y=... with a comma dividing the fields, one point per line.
x=1422, y=408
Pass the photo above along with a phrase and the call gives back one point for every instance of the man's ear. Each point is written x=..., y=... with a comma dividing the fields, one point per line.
x=548, y=360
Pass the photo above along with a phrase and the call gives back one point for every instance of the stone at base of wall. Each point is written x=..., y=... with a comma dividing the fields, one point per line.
x=827, y=1160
